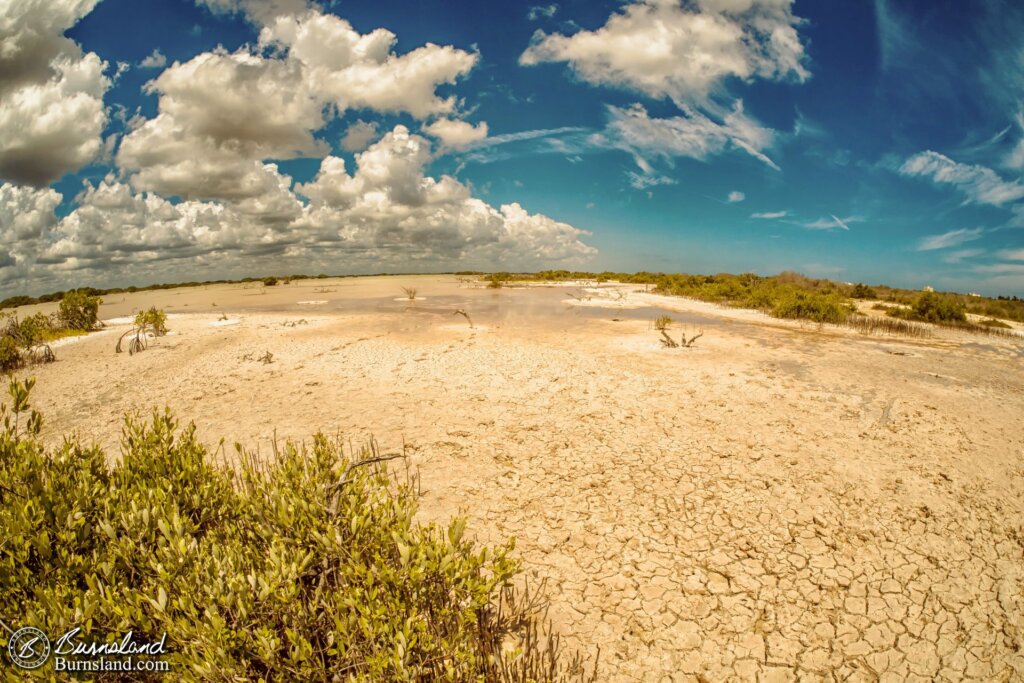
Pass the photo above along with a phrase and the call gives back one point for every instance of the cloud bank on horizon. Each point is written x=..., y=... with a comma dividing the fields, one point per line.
x=276, y=136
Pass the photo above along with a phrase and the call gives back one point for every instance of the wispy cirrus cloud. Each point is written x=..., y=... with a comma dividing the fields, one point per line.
x=981, y=185
x=831, y=222
x=770, y=215
x=643, y=181
x=953, y=238
x=1012, y=254
x=962, y=255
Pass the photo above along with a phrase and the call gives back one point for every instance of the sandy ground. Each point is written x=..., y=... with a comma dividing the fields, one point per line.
x=777, y=503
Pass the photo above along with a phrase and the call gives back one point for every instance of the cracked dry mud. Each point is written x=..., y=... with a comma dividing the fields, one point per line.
x=774, y=504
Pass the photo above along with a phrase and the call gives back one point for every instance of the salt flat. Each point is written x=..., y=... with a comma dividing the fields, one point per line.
x=777, y=503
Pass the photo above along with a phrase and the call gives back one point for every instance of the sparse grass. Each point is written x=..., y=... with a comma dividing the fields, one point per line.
x=410, y=293
x=985, y=330
x=992, y=322
x=887, y=326
x=53, y=334
x=308, y=566
x=662, y=322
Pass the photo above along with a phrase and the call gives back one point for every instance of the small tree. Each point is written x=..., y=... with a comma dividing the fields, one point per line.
x=78, y=310
x=153, y=321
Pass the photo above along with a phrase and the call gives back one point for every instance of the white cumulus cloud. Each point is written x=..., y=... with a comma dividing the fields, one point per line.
x=455, y=134
x=359, y=135
x=681, y=50
x=388, y=213
x=209, y=141
x=389, y=203
x=155, y=60
x=51, y=93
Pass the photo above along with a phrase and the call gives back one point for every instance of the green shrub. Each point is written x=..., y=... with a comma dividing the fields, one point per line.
x=10, y=354
x=862, y=291
x=804, y=305
x=933, y=308
x=154, y=319
x=937, y=308
x=306, y=568
x=269, y=281
x=35, y=329
x=79, y=310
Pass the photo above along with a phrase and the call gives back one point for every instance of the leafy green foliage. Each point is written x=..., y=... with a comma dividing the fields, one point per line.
x=35, y=329
x=24, y=341
x=305, y=568
x=269, y=281
x=79, y=310
x=153, y=319
x=933, y=308
x=938, y=309
x=862, y=291
x=10, y=354
x=149, y=322
x=497, y=280
x=788, y=295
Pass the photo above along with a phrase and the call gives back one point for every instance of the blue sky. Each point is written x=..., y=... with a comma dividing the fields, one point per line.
x=168, y=140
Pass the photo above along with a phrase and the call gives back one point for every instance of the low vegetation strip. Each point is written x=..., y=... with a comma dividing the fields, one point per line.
x=306, y=568
x=27, y=340
x=793, y=296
